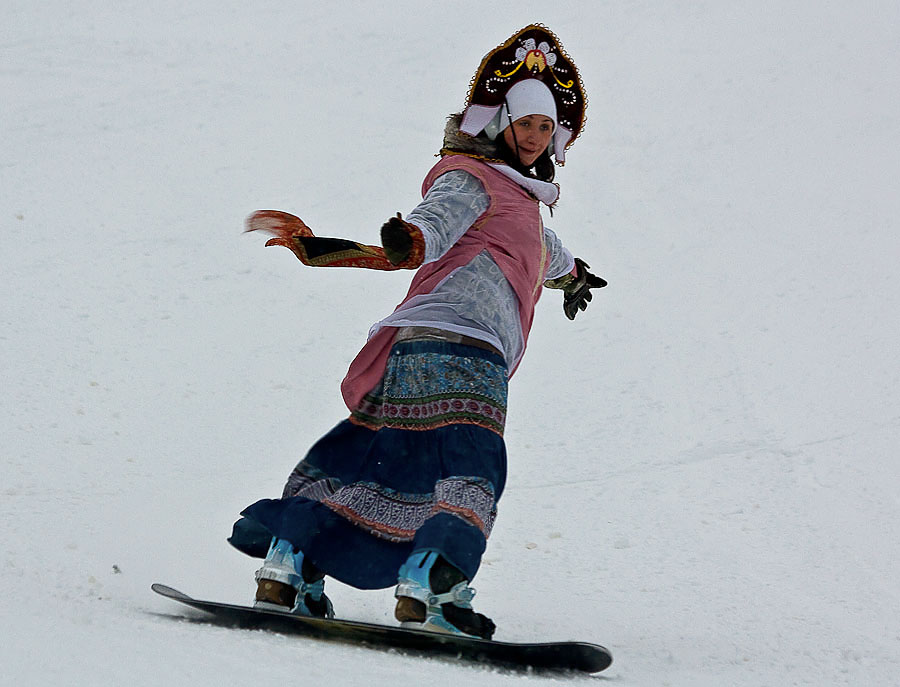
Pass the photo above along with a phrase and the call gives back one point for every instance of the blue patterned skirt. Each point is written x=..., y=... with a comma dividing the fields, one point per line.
x=421, y=464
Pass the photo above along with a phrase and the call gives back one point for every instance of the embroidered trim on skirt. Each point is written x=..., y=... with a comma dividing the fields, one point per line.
x=393, y=515
x=428, y=388
x=371, y=492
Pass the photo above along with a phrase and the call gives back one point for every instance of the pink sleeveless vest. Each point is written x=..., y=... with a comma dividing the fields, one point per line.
x=512, y=232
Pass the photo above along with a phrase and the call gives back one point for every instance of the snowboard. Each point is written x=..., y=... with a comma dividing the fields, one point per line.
x=549, y=656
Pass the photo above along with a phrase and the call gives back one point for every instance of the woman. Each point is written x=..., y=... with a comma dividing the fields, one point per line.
x=404, y=491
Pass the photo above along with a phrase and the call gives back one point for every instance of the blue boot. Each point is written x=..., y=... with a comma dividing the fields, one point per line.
x=287, y=583
x=434, y=595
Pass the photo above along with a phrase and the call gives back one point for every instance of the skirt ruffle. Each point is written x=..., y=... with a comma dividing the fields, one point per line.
x=420, y=465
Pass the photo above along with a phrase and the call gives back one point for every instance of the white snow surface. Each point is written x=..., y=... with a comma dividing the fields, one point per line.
x=703, y=470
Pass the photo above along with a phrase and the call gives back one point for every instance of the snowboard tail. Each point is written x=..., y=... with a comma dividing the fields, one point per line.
x=551, y=656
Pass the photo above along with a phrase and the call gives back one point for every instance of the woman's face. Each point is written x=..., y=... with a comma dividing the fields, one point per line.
x=532, y=136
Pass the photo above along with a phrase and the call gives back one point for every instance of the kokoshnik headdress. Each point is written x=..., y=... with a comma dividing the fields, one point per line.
x=532, y=53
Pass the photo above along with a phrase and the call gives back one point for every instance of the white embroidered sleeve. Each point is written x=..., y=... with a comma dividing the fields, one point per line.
x=559, y=259
x=451, y=206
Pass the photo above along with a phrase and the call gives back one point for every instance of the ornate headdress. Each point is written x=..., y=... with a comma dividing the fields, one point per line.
x=532, y=53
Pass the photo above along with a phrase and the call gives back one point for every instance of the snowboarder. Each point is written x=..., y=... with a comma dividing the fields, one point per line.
x=404, y=492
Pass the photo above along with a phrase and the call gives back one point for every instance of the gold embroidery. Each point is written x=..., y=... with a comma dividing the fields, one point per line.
x=564, y=85
x=543, y=260
x=536, y=58
x=506, y=76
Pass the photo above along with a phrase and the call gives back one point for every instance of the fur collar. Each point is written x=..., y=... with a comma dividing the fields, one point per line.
x=456, y=142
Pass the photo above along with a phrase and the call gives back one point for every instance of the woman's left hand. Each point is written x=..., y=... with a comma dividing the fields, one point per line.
x=576, y=288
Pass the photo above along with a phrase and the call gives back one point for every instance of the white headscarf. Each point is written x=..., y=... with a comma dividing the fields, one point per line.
x=526, y=97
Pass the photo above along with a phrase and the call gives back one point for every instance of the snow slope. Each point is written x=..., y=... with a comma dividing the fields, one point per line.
x=702, y=469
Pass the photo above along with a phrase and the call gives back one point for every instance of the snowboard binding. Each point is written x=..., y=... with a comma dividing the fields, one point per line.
x=289, y=583
x=434, y=595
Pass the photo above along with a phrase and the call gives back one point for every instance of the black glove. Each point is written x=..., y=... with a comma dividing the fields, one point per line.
x=577, y=294
x=576, y=288
x=403, y=242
